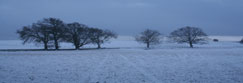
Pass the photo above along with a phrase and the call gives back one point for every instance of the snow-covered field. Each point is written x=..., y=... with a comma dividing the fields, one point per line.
x=216, y=62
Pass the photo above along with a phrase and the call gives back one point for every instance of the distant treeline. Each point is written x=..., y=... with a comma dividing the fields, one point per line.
x=51, y=31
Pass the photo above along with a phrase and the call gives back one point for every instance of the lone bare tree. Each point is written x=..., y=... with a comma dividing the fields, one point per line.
x=78, y=34
x=56, y=27
x=148, y=37
x=99, y=36
x=37, y=33
x=190, y=35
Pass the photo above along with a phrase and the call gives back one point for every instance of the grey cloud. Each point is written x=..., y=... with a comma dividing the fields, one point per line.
x=127, y=17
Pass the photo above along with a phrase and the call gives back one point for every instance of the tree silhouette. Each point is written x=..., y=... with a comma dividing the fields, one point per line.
x=148, y=37
x=56, y=27
x=37, y=33
x=52, y=31
x=78, y=34
x=190, y=35
x=99, y=36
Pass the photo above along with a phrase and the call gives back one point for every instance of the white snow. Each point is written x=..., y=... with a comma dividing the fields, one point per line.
x=216, y=62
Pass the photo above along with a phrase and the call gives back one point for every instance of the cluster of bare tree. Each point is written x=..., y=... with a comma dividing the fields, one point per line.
x=51, y=31
x=190, y=35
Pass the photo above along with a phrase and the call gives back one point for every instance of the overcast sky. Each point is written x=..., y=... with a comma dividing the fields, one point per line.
x=126, y=17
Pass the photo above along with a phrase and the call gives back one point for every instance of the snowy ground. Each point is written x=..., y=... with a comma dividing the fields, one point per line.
x=220, y=62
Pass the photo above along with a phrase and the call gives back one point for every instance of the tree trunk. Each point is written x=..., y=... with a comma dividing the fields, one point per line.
x=148, y=45
x=45, y=46
x=56, y=43
x=98, y=43
x=191, y=44
x=75, y=43
x=76, y=47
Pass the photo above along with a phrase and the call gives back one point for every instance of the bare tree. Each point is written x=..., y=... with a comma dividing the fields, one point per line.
x=148, y=37
x=190, y=35
x=37, y=33
x=99, y=36
x=56, y=27
x=78, y=34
